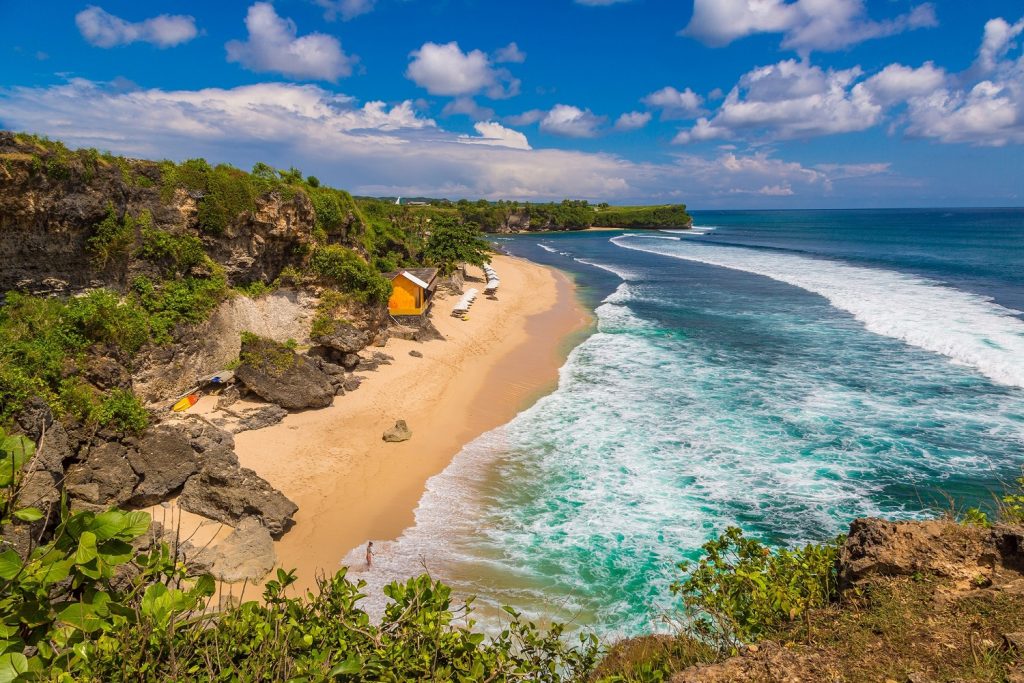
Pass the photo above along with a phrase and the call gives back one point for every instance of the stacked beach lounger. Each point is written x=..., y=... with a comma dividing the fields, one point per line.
x=492, y=281
x=462, y=307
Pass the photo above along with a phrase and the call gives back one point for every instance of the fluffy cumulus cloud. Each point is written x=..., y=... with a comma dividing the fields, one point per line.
x=898, y=83
x=346, y=9
x=791, y=99
x=675, y=104
x=447, y=70
x=510, y=54
x=495, y=134
x=633, y=120
x=378, y=149
x=102, y=29
x=805, y=24
x=983, y=105
x=571, y=122
x=274, y=45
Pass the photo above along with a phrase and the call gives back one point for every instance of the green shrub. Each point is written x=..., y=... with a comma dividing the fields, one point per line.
x=123, y=410
x=102, y=317
x=173, y=302
x=176, y=253
x=112, y=238
x=741, y=591
x=451, y=244
x=226, y=192
x=1011, y=505
x=975, y=517
x=344, y=268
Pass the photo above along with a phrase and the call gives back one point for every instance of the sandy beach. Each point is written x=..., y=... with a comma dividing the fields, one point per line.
x=350, y=485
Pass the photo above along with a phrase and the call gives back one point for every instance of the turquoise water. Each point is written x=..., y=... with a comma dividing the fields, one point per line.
x=784, y=372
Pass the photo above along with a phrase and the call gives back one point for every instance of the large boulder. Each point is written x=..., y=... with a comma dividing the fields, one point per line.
x=104, y=478
x=164, y=461
x=277, y=374
x=344, y=337
x=248, y=553
x=229, y=494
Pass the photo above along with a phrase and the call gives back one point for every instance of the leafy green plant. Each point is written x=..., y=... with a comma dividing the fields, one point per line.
x=452, y=243
x=177, y=253
x=975, y=517
x=112, y=238
x=1011, y=505
x=741, y=591
x=336, y=265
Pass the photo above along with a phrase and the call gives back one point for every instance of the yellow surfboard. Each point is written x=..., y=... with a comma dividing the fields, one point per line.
x=185, y=403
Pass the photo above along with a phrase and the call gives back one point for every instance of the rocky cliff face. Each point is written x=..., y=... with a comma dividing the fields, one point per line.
x=50, y=207
x=921, y=602
x=53, y=205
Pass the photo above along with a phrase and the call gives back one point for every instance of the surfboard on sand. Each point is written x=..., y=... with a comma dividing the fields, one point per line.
x=185, y=403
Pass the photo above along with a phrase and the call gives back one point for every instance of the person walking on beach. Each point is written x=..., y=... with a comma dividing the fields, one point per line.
x=369, y=554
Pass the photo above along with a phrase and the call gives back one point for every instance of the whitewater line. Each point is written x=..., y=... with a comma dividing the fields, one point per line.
x=967, y=328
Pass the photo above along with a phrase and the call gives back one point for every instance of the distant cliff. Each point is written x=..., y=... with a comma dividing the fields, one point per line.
x=510, y=216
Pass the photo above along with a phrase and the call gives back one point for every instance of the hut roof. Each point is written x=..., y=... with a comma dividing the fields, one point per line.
x=422, y=277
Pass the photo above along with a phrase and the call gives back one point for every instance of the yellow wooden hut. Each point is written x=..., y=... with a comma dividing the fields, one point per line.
x=412, y=291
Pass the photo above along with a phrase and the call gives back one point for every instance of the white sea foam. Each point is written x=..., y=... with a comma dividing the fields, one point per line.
x=547, y=248
x=967, y=328
x=623, y=273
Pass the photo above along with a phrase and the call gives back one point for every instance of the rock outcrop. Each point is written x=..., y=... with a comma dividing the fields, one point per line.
x=229, y=495
x=185, y=455
x=247, y=553
x=279, y=375
x=919, y=602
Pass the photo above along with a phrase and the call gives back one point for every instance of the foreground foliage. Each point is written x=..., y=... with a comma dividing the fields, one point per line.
x=89, y=605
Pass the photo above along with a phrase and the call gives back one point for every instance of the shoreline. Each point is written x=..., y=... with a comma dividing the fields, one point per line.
x=351, y=486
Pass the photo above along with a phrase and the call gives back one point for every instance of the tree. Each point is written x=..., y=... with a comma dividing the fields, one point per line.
x=452, y=243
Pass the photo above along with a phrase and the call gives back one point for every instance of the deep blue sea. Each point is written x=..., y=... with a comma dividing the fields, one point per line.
x=781, y=371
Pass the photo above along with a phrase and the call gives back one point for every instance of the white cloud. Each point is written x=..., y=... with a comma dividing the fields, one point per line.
x=898, y=83
x=376, y=149
x=791, y=99
x=509, y=54
x=675, y=104
x=447, y=70
x=998, y=39
x=805, y=24
x=469, y=107
x=571, y=122
x=633, y=120
x=984, y=105
x=495, y=134
x=526, y=118
x=346, y=9
x=274, y=45
x=102, y=29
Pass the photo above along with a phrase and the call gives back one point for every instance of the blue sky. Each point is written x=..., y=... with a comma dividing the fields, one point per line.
x=716, y=103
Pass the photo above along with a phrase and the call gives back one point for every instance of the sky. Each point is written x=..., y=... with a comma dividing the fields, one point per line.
x=714, y=103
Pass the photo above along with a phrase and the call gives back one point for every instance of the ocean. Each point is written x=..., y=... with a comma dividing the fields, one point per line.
x=784, y=372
